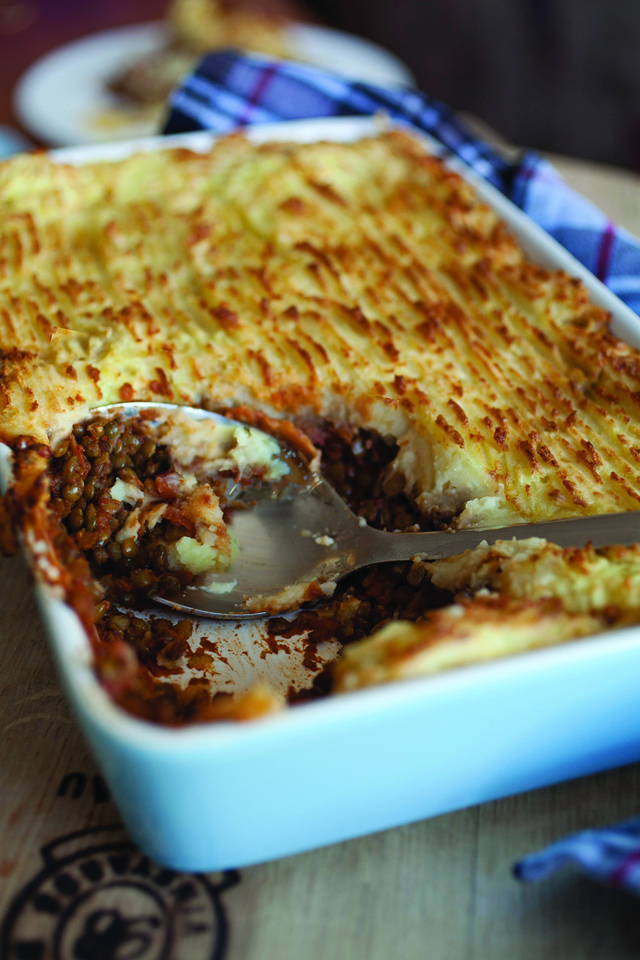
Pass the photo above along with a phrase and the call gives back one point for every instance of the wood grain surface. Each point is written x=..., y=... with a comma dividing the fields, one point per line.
x=440, y=889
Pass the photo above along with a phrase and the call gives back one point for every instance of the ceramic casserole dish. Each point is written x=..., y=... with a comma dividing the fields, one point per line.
x=211, y=796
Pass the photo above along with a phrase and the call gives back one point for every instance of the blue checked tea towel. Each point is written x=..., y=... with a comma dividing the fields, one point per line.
x=228, y=90
x=610, y=855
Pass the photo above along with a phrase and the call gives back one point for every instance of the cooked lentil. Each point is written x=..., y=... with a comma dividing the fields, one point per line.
x=358, y=464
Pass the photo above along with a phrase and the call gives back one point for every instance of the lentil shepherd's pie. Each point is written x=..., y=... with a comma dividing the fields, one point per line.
x=358, y=300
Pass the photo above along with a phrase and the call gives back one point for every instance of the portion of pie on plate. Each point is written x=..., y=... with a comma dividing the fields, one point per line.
x=360, y=298
x=196, y=27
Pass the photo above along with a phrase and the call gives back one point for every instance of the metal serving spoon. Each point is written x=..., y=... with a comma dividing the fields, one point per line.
x=299, y=531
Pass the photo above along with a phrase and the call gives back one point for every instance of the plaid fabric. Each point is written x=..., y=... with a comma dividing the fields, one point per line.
x=228, y=90
x=611, y=856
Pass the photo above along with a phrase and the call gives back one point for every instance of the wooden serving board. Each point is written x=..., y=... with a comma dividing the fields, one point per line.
x=73, y=887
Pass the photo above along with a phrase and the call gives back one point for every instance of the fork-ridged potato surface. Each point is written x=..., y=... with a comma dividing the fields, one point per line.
x=362, y=283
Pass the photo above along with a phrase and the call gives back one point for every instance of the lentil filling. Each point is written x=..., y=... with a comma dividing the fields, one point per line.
x=83, y=470
x=126, y=571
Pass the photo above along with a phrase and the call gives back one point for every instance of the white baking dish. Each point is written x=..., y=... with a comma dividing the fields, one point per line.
x=220, y=795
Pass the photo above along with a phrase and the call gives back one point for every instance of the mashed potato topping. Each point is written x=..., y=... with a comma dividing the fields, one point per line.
x=209, y=446
x=358, y=291
x=511, y=597
x=198, y=450
x=364, y=284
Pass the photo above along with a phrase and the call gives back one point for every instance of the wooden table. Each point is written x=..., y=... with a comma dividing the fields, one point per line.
x=440, y=890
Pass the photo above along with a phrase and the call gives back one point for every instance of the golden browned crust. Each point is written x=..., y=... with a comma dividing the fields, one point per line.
x=513, y=596
x=603, y=582
x=362, y=283
x=457, y=636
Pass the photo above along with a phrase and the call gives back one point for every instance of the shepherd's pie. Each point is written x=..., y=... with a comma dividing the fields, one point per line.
x=363, y=293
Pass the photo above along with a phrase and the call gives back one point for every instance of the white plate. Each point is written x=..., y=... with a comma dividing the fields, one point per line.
x=212, y=796
x=62, y=98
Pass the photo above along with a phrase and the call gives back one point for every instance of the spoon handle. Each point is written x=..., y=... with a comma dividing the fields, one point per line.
x=602, y=531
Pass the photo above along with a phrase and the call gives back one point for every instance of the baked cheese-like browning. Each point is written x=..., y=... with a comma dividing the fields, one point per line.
x=363, y=283
x=604, y=582
x=514, y=596
x=457, y=636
